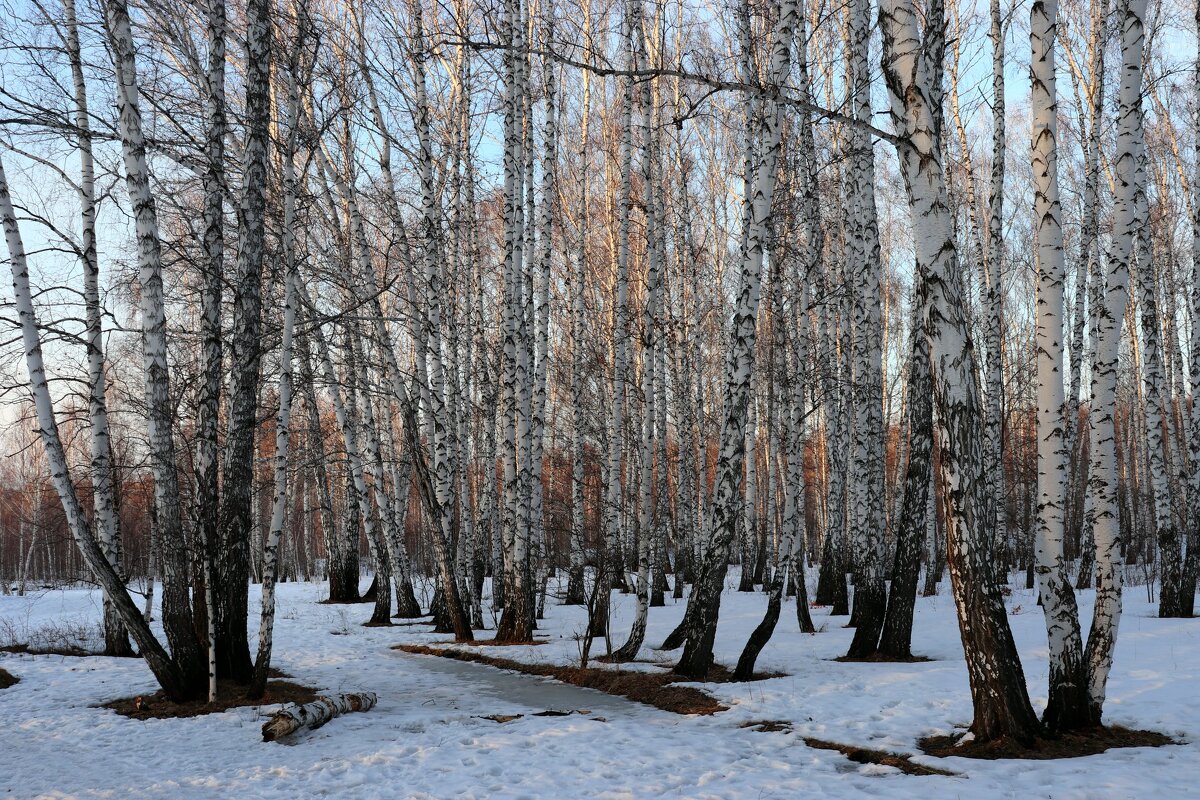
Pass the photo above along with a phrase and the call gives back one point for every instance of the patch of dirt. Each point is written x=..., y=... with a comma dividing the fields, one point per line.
x=359, y=601
x=229, y=695
x=388, y=624
x=499, y=643
x=768, y=726
x=864, y=755
x=1064, y=745
x=652, y=688
x=502, y=718
x=7, y=679
x=859, y=755
x=880, y=658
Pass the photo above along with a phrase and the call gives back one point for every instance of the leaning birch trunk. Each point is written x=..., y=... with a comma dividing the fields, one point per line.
x=262, y=661
x=176, y=603
x=1066, y=706
x=1102, y=638
x=705, y=602
x=311, y=716
x=116, y=640
x=177, y=683
x=1001, y=702
x=791, y=542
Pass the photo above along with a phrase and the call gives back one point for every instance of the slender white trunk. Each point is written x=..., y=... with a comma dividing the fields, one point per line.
x=1126, y=225
x=1066, y=707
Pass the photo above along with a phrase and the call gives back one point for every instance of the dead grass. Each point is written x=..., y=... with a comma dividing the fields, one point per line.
x=229, y=695
x=1065, y=745
x=56, y=650
x=74, y=638
x=652, y=688
x=7, y=679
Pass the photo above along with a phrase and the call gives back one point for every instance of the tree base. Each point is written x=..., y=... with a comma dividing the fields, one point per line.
x=229, y=695
x=1071, y=744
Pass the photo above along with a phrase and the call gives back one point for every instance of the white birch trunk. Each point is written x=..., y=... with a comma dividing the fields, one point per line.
x=1065, y=707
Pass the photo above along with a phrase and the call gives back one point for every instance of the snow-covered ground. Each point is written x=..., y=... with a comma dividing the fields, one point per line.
x=427, y=737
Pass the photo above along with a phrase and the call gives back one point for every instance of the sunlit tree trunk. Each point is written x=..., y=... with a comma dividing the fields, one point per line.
x=1126, y=226
x=1001, y=702
x=1066, y=707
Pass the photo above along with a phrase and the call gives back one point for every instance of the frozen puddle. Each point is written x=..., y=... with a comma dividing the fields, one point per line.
x=533, y=692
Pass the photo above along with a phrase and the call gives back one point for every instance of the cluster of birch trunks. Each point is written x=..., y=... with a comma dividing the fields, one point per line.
x=525, y=303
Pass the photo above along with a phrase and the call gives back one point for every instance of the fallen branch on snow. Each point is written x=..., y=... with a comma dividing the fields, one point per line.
x=292, y=717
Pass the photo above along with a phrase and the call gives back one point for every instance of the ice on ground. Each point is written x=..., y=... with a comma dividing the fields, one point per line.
x=429, y=738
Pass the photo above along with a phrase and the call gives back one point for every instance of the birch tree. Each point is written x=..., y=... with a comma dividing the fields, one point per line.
x=1001, y=702
x=1065, y=708
x=705, y=601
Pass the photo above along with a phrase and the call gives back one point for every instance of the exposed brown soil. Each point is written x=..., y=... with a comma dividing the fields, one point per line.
x=7, y=679
x=768, y=726
x=865, y=755
x=359, y=601
x=388, y=624
x=652, y=688
x=499, y=643
x=859, y=755
x=229, y=695
x=1065, y=745
x=880, y=658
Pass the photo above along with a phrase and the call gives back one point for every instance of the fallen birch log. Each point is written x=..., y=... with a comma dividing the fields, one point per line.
x=292, y=717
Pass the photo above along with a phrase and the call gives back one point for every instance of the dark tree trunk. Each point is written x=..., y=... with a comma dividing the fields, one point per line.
x=575, y=587
x=231, y=569
x=407, y=606
x=896, y=638
x=796, y=587
x=442, y=623
x=762, y=633
x=830, y=574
